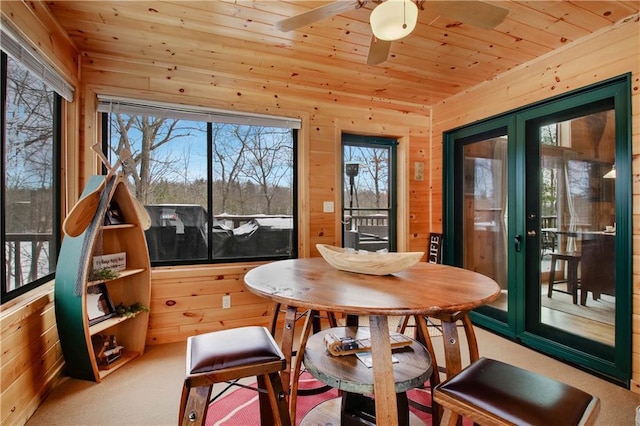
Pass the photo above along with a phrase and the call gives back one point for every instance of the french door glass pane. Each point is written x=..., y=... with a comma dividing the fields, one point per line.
x=485, y=211
x=577, y=227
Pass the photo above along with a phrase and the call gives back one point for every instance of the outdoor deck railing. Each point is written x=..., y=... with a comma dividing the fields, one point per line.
x=27, y=254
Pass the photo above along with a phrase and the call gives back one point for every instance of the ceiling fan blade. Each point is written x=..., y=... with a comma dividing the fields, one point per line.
x=378, y=51
x=317, y=14
x=476, y=13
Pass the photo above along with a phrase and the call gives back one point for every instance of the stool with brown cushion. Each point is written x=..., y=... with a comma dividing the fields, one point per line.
x=227, y=355
x=491, y=392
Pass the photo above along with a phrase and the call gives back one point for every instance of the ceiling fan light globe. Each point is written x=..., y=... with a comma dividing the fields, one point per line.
x=394, y=19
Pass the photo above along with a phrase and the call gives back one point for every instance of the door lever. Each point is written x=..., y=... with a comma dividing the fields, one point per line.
x=517, y=241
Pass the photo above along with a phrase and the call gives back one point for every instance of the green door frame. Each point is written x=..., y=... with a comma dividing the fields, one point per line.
x=617, y=369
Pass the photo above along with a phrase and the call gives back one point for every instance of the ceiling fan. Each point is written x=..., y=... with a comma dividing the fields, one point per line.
x=476, y=13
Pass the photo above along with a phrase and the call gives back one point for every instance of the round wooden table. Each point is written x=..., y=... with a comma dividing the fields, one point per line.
x=425, y=289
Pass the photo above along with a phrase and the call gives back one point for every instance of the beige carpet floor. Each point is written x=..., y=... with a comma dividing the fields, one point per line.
x=147, y=390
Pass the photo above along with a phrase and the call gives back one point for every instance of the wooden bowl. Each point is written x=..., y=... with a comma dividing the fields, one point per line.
x=368, y=262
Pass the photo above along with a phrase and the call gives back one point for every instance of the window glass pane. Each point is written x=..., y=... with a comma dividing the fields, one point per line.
x=252, y=191
x=167, y=172
x=577, y=203
x=366, y=194
x=485, y=216
x=29, y=202
x=250, y=175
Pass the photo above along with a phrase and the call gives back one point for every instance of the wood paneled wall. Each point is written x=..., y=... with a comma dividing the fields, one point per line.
x=31, y=356
x=188, y=300
x=597, y=58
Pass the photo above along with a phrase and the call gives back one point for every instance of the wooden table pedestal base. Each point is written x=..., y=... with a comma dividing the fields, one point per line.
x=329, y=412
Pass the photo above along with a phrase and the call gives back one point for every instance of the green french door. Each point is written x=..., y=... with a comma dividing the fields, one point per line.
x=540, y=200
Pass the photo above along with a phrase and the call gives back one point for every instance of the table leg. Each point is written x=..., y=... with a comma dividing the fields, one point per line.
x=384, y=384
x=474, y=354
x=453, y=357
x=287, y=345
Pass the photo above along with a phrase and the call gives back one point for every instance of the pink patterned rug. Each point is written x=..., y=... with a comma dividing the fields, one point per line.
x=241, y=407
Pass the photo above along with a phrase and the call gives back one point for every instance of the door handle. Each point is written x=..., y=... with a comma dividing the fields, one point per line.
x=517, y=242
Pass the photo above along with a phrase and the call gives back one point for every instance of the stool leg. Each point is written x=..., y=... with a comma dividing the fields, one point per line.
x=449, y=418
x=422, y=334
x=333, y=322
x=274, y=409
x=552, y=275
x=472, y=342
x=194, y=410
x=572, y=279
x=183, y=401
x=402, y=324
x=266, y=413
x=293, y=395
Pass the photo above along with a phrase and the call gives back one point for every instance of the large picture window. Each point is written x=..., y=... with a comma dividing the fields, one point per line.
x=217, y=190
x=30, y=178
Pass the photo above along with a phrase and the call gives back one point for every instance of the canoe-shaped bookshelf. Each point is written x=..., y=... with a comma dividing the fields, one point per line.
x=88, y=324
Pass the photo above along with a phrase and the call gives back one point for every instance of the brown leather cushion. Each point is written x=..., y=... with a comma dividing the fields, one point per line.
x=231, y=348
x=516, y=395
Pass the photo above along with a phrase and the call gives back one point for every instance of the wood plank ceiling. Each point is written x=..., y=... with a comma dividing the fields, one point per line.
x=238, y=39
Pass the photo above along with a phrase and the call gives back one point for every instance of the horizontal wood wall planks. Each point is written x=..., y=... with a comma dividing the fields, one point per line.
x=188, y=300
